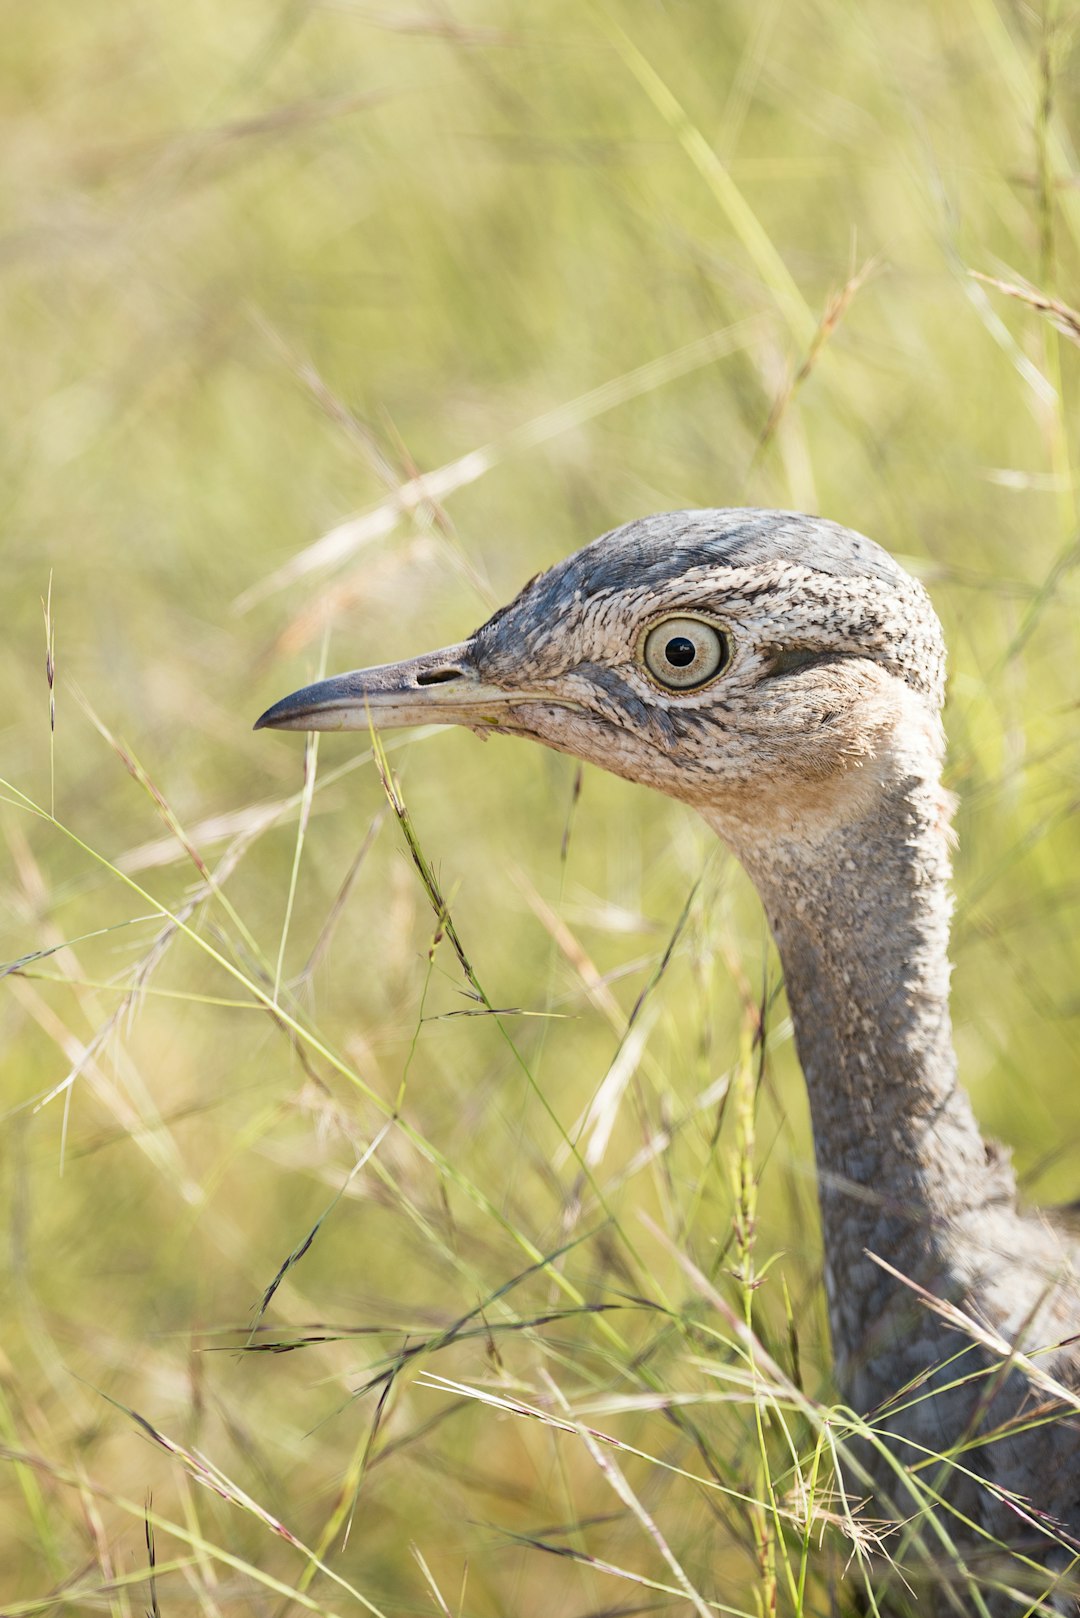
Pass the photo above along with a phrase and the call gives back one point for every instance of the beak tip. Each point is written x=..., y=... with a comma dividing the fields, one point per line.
x=288, y=714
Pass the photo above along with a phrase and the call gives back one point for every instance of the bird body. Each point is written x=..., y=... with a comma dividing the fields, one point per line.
x=785, y=676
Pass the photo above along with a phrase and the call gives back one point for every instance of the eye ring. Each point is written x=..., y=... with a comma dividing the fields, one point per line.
x=683, y=653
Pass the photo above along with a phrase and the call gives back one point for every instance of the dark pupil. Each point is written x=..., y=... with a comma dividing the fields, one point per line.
x=680, y=652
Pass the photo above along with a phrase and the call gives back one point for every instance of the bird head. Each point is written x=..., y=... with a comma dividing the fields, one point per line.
x=771, y=669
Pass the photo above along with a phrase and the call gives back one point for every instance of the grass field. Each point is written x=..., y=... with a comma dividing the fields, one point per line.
x=263, y=268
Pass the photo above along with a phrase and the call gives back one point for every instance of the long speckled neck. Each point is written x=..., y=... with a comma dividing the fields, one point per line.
x=861, y=919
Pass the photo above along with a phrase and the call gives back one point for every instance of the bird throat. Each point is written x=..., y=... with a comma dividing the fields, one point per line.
x=861, y=920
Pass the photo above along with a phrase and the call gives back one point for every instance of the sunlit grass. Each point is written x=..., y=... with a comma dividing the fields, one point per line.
x=410, y=1188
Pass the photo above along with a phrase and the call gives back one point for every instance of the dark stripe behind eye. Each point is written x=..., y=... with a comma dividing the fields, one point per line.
x=790, y=659
x=793, y=658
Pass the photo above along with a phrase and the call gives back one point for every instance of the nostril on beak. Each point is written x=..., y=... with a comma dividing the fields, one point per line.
x=439, y=676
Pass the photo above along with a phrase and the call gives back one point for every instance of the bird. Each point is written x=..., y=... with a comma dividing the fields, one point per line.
x=784, y=676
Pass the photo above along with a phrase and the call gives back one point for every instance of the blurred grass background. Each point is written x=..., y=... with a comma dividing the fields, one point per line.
x=262, y=265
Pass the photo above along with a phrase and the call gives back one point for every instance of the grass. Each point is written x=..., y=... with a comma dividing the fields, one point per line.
x=407, y=1164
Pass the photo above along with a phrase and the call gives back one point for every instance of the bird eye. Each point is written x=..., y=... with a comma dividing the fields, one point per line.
x=683, y=653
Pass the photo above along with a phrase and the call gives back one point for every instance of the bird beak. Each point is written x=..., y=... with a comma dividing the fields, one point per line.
x=440, y=688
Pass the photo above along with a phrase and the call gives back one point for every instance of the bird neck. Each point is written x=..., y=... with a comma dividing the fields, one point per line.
x=860, y=912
